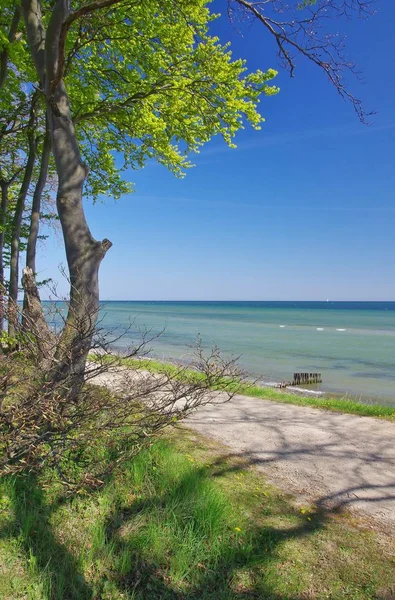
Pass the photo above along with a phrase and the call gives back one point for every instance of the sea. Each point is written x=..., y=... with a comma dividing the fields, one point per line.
x=352, y=344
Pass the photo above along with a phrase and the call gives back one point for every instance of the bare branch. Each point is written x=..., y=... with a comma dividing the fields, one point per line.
x=86, y=436
x=301, y=30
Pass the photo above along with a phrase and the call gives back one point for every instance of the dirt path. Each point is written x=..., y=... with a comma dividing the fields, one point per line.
x=331, y=458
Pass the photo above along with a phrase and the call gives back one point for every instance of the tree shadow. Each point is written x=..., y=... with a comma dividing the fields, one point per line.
x=349, y=461
x=242, y=568
x=218, y=579
x=60, y=573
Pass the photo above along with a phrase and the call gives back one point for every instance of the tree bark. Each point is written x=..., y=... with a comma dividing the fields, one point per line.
x=35, y=35
x=31, y=299
x=16, y=226
x=36, y=204
x=3, y=218
x=34, y=320
x=84, y=254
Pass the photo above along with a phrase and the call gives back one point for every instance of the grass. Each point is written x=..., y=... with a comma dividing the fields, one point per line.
x=344, y=404
x=183, y=521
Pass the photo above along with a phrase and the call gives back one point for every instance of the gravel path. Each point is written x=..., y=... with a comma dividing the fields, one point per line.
x=331, y=458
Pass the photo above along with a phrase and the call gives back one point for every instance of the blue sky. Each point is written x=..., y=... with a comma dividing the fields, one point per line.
x=303, y=209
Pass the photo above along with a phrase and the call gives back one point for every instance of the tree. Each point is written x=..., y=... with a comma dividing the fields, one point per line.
x=24, y=159
x=13, y=172
x=144, y=80
x=18, y=214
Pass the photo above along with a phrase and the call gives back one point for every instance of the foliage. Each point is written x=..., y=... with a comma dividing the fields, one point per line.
x=7, y=342
x=148, y=81
x=110, y=80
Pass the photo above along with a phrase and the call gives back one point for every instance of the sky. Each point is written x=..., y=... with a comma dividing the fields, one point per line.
x=302, y=210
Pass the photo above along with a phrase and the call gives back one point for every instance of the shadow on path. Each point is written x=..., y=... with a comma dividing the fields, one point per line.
x=341, y=460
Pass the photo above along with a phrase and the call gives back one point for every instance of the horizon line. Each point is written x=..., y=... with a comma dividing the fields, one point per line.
x=251, y=300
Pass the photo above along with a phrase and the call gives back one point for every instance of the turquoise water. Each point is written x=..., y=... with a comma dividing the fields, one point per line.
x=275, y=339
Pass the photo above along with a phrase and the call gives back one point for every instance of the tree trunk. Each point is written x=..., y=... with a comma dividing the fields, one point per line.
x=34, y=320
x=16, y=227
x=3, y=219
x=36, y=205
x=31, y=300
x=84, y=253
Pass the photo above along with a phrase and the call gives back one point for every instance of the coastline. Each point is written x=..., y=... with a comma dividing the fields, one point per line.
x=264, y=382
x=351, y=344
x=255, y=389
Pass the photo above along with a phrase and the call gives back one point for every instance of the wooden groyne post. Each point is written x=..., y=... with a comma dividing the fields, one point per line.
x=306, y=378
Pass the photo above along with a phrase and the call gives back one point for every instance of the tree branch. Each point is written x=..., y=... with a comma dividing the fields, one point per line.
x=307, y=36
x=35, y=35
x=74, y=16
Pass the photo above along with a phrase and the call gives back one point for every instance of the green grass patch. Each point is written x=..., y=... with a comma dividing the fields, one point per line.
x=336, y=404
x=344, y=404
x=182, y=521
